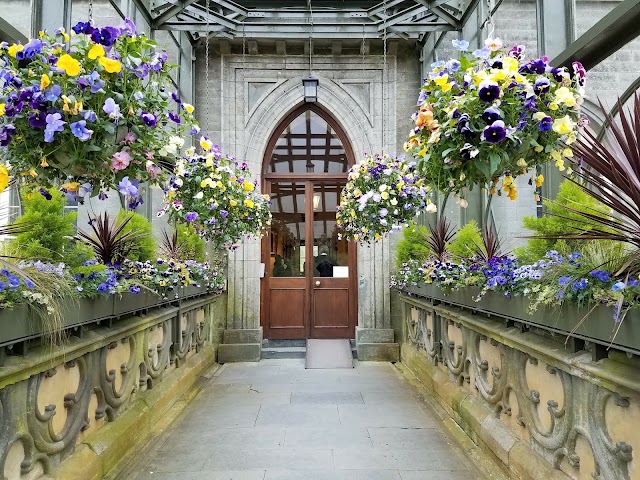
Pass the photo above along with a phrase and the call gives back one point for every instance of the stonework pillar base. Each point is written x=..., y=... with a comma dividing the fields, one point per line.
x=377, y=344
x=240, y=345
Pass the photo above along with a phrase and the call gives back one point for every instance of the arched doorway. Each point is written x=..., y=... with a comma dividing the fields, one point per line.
x=309, y=286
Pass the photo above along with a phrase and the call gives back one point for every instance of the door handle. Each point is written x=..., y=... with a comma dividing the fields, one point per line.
x=317, y=283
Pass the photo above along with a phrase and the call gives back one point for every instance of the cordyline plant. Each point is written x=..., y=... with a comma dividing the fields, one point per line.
x=612, y=178
x=109, y=240
x=491, y=245
x=439, y=238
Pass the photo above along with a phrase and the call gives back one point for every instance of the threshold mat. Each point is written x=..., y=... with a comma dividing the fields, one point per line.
x=328, y=354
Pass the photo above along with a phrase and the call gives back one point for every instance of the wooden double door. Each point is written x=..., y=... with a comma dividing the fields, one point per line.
x=308, y=290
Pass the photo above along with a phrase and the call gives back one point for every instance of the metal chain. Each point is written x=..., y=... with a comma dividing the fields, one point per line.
x=384, y=73
x=310, y=39
x=90, y=11
x=244, y=49
x=207, y=86
x=489, y=22
x=362, y=48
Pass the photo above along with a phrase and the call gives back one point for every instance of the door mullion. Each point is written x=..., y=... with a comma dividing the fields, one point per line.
x=309, y=258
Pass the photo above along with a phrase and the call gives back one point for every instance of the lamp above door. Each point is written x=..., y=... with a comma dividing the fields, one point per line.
x=310, y=84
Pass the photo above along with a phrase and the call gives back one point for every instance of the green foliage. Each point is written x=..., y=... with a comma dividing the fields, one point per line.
x=78, y=254
x=191, y=244
x=570, y=195
x=413, y=245
x=50, y=230
x=144, y=245
x=467, y=241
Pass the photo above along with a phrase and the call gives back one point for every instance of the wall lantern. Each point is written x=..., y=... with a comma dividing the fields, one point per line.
x=316, y=201
x=310, y=84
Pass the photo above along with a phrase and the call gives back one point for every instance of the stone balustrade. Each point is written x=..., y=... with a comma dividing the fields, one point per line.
x=74, y=410
x=541, y=409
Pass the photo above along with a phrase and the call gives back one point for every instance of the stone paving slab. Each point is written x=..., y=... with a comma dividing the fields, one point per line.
x=277, y=421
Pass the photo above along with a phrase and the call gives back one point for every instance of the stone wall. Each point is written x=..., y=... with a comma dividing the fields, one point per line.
x=543, y=411
x=73, y=411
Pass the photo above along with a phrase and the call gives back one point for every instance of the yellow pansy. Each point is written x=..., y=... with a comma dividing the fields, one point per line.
x=560, y=164
x=442, y=82
x=566, y=96
x=356, y=237
x=43, y=162
x=510, y=65
x=96, y=51
x=248, y=186
x=2, y=106
x=522, y=163
x=110, y=65
x=567, y=152
x=4, y=177
x=45, y=81
x=555, y=154
x=538, y=148
x=384, y=195
x=249, y=203
x=539, y=116
x=554, y=106
x=563, y=126
x=498, y=75
x=188, y=108
x=69, y=64
x=205, y=143
x=539, y=180
x=14, y=49
x=56, y=50
x=41, y=33
x=233, y=203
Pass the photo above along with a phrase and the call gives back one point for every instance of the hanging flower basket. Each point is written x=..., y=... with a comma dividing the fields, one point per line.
x=216, y=195
x=383, y=193
x=87, y=110
x=492, y=113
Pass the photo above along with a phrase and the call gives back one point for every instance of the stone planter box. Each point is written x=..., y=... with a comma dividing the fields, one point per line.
x=22, y=323
x=598, y=326
x=130, y=303
x=191, y=291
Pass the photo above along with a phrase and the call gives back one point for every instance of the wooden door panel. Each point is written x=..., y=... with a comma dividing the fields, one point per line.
x=331, y=308
x=286, y=312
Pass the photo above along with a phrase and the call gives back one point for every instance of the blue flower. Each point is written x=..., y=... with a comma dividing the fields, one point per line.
x=545, y=124
x=633, y=282
x=103, y=287
x=173, y=117
x=461, y=45
x=13, y=281
x=560, y=294
x=453, y=66
x=580, y=284
x=29, y=284
x=541, y=85
x=80, y=131
x=438, y=64
x=3, y=286
x=54, y=92
x=564, y=280
x=195, y=130
x=482, y=53
x=601, y=275
x=90, y=116
x=134, y=289
x=618, y=286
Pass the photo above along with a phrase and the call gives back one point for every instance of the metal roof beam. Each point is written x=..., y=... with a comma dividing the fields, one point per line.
x=610, y=34
x=171, y=12
x=214, y=17
x=402, y=16
x=302, y=31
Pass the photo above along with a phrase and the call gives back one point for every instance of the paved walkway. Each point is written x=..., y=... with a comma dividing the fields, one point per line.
x=274, y=420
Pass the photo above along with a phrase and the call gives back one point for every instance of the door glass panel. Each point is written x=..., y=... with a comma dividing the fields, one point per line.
x=330, y=254
x=288, y=253
x=309, y=144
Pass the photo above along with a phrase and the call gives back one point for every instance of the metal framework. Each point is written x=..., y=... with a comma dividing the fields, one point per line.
x=406, y=19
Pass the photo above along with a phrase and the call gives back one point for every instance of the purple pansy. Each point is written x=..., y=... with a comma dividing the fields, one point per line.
x=494, y=133
x=545, y=124
x=491, y=115
x=489, y=91
x=149, y=119
x=541, y=86
x=127, y=187
x=191, y=216
x=173, y=117
x=54, y=124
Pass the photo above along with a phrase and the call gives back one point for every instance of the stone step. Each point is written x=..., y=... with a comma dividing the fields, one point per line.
x=284, y=352
x=271, y=343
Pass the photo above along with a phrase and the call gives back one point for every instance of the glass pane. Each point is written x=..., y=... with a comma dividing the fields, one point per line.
x=330, y=254
x=287, y=229
x=309, y=145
